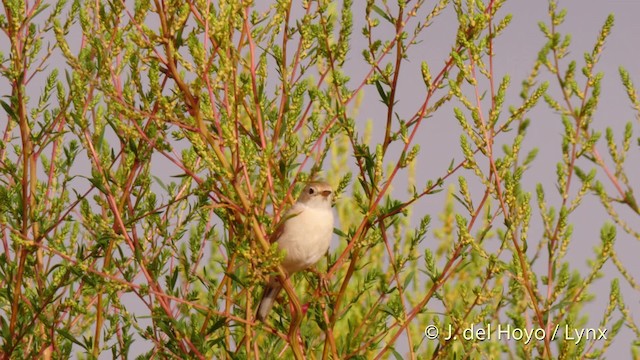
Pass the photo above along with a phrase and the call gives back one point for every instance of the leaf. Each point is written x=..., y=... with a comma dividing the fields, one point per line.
x=9, y=110
x=382, y=93
x=408, y=279
x=235, y=278
x=396, y=354
x=70, y=337
x=380, y=12
x=461, y=201
x=173, y=279
x=340, y=233
x=630, y=200
x=97, y=183
x=38, y=11
x=217, y=325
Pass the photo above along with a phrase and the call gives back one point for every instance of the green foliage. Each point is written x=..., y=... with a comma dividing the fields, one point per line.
x=105, y=251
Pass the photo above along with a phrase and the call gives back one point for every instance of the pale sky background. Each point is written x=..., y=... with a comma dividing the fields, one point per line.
x=516, y=50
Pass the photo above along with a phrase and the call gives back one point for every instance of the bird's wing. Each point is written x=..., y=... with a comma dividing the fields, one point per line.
x=277, y=232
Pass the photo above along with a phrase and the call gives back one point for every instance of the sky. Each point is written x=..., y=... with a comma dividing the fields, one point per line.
x=516, y=50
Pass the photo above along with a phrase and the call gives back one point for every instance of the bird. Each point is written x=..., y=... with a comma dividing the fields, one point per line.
x=304, y=234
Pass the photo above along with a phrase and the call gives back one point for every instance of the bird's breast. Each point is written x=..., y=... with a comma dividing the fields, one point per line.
x=306, y=237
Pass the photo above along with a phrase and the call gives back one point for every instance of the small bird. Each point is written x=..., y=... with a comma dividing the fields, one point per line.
x=305, y=235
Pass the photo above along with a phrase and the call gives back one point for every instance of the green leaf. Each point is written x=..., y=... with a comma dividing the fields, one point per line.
x=383, y=95
x=408, y=279
x=70, y=337
x=382, y=13
x=9, y=110
x=235, y=278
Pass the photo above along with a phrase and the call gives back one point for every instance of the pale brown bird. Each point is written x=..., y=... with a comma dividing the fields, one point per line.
x=305, y=235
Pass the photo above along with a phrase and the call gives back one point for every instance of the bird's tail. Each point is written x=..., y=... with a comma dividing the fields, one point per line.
x=269, y=295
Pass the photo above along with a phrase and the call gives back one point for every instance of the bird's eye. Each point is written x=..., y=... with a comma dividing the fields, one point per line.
x=311, y=191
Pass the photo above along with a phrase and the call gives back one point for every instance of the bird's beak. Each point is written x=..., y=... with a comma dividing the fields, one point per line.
x=326, y=193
